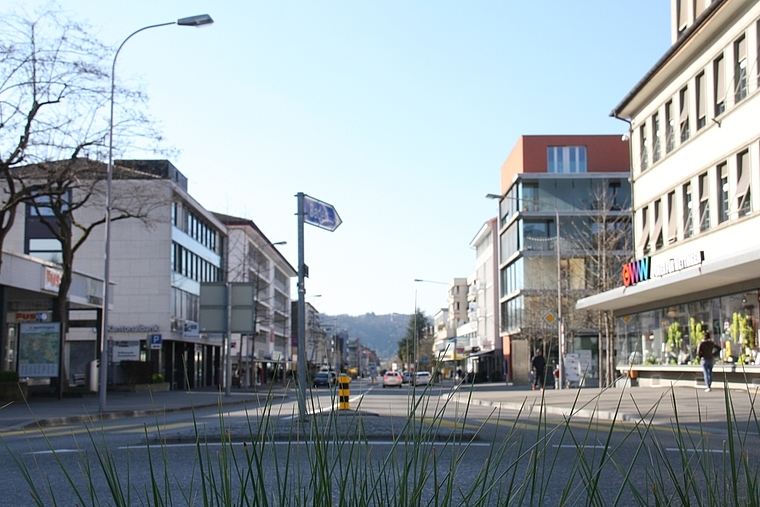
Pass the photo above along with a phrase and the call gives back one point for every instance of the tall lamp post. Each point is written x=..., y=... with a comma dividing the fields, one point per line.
x=202, y=19
x=560, y=324
x=416, y=337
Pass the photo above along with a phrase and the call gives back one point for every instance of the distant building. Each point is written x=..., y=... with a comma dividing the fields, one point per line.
x=483, y=343
x=252, y=258
x=582, y=181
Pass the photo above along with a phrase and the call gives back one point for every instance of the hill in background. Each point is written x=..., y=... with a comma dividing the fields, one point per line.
x=380, y=333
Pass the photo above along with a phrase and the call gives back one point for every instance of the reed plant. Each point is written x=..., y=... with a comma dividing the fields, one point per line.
x=437, y=455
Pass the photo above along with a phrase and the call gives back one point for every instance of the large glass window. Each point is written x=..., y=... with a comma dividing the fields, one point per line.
x=670, y=335
x=566, y=159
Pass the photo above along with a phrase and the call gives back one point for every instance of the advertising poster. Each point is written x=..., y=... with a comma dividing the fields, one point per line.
x=39, y=349
x=125, y=350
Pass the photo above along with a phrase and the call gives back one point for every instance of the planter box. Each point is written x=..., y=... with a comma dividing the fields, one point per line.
x=151, y=388
x=13, y=391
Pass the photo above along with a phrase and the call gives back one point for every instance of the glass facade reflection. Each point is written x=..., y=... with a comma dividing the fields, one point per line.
x=670, y=335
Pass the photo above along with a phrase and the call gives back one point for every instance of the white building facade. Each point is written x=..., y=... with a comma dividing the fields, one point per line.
x=695, y=157
x=252, y=258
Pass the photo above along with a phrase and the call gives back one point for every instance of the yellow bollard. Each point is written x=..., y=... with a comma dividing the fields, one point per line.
x=343, y=391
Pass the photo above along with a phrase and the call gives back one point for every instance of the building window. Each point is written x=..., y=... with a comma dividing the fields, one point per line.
x=743, y=191
x=672, y=218
x=530, y=201
x=688, y=221
x=643, y=147
x=670, y=128
x=656, y=144
x=723, y=202
x=704, y=203
x=740, y=69
x=757, y=64
x=683, y=118
x=682, y=19
x=658, y=218
x=644, y=238
x=719, y=76
x=701, y=109
x=566, y=159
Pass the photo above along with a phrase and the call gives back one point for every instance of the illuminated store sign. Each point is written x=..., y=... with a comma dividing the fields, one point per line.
x=636, y=271
x=644, y=269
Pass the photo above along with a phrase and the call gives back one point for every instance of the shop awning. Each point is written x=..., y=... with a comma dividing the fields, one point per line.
x=713, y=274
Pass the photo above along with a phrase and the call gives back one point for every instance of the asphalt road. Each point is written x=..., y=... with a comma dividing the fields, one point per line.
x=476, y=451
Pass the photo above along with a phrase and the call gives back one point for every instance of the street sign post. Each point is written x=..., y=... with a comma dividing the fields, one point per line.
x=320, y=214
x=155, y=342
x=323, y=215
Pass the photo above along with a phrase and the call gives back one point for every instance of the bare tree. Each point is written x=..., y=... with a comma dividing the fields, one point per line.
x=605, y=240
x=54, y=97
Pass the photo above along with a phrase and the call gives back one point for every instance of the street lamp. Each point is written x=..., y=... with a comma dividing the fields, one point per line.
x=416, y=337
x=200, y=20
x=560, y=325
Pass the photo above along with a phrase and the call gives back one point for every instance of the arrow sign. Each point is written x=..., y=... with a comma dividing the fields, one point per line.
x=320, y=214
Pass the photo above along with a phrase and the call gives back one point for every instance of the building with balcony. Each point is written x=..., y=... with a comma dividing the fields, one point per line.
x=252, y=258
x=696, y=185
x=481, y=337
x=573, y=189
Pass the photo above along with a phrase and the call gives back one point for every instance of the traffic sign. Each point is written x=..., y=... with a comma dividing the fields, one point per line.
x=320, y=214
x=155, y=341
x=549, y=318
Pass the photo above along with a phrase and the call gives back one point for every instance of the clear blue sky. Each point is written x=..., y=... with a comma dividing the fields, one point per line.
x=399, y=113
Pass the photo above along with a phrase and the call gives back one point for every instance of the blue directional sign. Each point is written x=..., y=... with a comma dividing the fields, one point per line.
x=320, y=214
x=155, y=341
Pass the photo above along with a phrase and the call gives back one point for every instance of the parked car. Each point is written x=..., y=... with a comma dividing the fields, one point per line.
x=392, y=378
x=422, y=378
x=406, y=377
x=325, y=378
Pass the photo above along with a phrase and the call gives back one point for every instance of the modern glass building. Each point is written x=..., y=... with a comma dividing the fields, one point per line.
x=563, y=217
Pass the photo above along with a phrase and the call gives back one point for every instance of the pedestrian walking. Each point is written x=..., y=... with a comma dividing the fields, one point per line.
x=705, y=353
x=538, y=368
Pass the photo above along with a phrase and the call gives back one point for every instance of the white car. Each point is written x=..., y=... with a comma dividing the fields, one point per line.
x=392, y=378
x=422, y=378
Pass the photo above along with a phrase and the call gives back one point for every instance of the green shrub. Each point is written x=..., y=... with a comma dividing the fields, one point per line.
x=157, y=378
x=8, y=376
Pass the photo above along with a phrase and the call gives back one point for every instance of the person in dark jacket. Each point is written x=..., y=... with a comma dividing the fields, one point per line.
x=538, y=365
x=706, y=357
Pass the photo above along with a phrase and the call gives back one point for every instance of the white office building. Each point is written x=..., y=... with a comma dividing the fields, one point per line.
x=695, y=158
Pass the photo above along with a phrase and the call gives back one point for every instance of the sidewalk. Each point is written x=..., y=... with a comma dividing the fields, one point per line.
x=50, y=411
x=660, y=406
x=693, y=406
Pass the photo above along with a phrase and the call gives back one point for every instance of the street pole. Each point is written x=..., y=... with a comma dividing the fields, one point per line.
x=203, y=19
x=301, y=312
x=560, y=324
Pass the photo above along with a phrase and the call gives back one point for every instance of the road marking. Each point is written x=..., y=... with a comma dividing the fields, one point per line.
x=54, y=451
x=302, y=442
x=571, y=446
x=715, y=451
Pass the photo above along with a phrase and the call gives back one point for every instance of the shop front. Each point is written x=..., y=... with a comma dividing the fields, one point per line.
x=31, y=341
x=665, y=307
